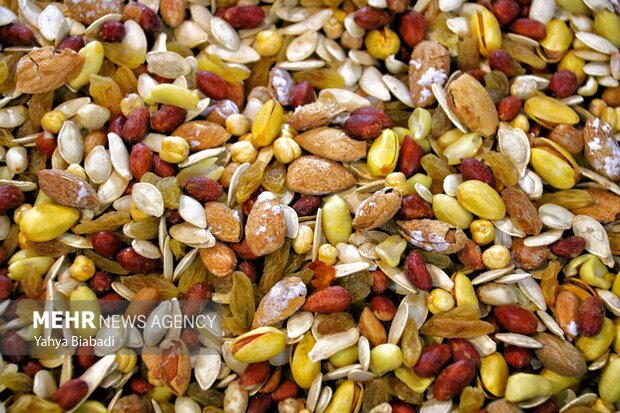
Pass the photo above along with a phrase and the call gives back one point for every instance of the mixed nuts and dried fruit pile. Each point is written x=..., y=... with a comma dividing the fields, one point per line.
x=400, y=206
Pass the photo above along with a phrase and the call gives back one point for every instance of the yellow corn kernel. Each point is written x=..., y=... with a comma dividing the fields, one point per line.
x=82, y=268
x=596, y=107
x=20, y=211
x=609, y=115
x=130, y=103
x=385, y=358
x=286, y=150
x=126, y=360
x=302, y=244
x=52, y=121
x=93, y=54
x=344, y=357
x=439, y=300
x=136, y=214
x=521, y=122
x=494, y=373
x=482, y=231
x=391, y=250
x=328, y=254
x=575, y=64
x=174, y=149
x=496, y=257
x=237, y=124
x=268, y=42
x=395, y=179
x=381, y=43
x=383, y=154
x=243, y=151
x=267, y=123
x=464, y=291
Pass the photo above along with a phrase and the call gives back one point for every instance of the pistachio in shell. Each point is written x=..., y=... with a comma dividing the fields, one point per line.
x=471, y=103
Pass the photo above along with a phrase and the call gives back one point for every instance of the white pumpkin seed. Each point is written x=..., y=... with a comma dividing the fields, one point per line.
x=302, y=47
x=206, y=369
x=191, y=235
x=192, y=211
x=6, y=16
x=147, y=198
x=398, y=89
x=119, y=155
x=545, y=238
x=596, y=42
x=224, y=33
x=167, y=64
x=596, y=238
x=49, y=22
x=146, y=249
x=112, y=189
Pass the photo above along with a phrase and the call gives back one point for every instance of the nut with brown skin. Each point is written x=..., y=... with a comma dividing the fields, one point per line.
x=505, y=10
x=563, y=83
x=46, y=143
x=516, y=319
x=106, y=243
x=502, y=61
x=140, y=160
x=136, y=125
x=302, y=94
x=243, y=17
x=509, y=107
x=409, y=157
x=453, y=379
x=328, y=300
x=259, y=404
x=414, y=207
x=144, y=16
x=416, y=272
x=380, y=281
x=254, y=375
x=16, y=34
x=6, y=287
x=432, y=360
x=463, y=349
x=162, y=168
x=307, y=205
x=203, y=189
x=590, y=316
x=196, y=298
x=570, y=247
x=530, y=28
x=517, y=357
x=383, y=308
x=167, y=118
x=211, y=85
x=10, y=197
x=370, y=18
x=112, y=31
x=139, y=386
x=70, y=393
x=412, y=28
x=371, y=328
x=286, y=389
x=74, y=43
x=132, y=261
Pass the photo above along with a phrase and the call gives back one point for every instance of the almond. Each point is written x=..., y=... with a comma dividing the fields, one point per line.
x=312, y=175
x=202, y=134
x=223, y=223
x=46, y=69
x=471, y=103
x=266, y=227
x=314, y=115
x=377, y=210
x=67, y=189
x=220, y=259
x=430, y=63
x=432, y=235
x=560, y=356
x=331, y=144
x=282, y=301
x=601, y=148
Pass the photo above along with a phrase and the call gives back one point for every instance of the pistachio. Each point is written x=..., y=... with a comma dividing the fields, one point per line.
x=480, y=199
x=258, y=345
x=46, y=222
